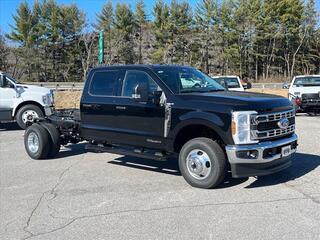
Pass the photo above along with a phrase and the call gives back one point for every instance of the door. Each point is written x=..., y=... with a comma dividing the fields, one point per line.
x=142, y=123
x=7, y=96
x=98, y=116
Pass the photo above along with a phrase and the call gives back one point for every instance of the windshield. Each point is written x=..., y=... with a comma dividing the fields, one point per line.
x=187, y=79
x=230, y=82
x=307, y=81
x=12, y=79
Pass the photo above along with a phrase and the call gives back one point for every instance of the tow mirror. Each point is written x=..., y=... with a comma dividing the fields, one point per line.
x=157, y=97
x=3, y=81
x=285, y=85
x=140, y=93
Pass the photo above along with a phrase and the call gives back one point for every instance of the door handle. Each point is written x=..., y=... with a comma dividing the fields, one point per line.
x=87, y=105
x=93, y=106
x=121, y=107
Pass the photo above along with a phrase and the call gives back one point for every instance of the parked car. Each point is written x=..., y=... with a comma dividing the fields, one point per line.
x=233, y=83
x=23, y=102
x=304, y=93
x=149, y=111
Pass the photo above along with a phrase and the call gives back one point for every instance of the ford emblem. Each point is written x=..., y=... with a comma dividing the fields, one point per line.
x=283, y=123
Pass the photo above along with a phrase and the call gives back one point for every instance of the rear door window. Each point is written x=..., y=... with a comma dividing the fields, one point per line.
x=104, y=83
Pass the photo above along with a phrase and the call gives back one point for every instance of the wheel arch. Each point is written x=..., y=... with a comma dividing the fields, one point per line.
x=200, y=125
x=22, y=104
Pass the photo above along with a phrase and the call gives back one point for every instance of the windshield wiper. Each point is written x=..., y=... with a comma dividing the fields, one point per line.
x=216, y=90
x=190, y=91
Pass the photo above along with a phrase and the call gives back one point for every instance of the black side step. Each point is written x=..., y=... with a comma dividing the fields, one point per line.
x=143, y=153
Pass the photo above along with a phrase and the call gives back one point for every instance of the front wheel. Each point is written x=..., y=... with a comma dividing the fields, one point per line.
x=202, y=163
x=27, y=114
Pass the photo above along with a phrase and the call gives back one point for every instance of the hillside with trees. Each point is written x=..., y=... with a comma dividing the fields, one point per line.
x=263, y=40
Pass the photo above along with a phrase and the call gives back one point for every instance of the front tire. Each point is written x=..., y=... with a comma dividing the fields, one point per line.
x=202, y=163
x=37, y=142
x=27, y=114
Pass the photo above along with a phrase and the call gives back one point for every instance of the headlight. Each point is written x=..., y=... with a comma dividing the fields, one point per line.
x=48, y=99
x=241, y=127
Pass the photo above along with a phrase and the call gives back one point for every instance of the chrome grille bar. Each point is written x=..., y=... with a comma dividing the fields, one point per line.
x=271, y=118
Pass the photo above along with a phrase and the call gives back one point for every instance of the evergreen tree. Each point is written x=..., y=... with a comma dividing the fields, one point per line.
x=124, y=26
x=141, y=24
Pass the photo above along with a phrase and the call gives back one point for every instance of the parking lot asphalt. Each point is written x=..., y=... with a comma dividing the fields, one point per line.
x=83, y=195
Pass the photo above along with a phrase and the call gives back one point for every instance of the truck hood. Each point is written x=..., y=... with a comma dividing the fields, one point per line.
x=297, y=91
x=24, y=88
x=241, y=101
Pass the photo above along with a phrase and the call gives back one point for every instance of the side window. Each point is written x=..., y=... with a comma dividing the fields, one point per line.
x=135, y=77
x=104, y=83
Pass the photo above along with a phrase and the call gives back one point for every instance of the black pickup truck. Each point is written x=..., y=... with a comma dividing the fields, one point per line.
x=162, y=112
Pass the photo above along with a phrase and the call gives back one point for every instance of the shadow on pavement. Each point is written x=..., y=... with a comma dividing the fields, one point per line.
x=69, y=150
x=302, y=164
x=10, y=126
x=167, y=167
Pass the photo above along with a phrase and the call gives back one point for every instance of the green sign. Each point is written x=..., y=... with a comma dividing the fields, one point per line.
x=101, y=48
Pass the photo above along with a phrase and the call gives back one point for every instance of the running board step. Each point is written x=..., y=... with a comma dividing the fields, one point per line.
x=134, y=152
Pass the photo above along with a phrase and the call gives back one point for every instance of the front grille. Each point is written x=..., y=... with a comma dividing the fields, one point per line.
x=266, y=126
x=310, y=95
x=312, y=98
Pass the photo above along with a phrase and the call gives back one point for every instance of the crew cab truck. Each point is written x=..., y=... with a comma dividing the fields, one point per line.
x=23, y=102
x=304, y=92
x=148, y=111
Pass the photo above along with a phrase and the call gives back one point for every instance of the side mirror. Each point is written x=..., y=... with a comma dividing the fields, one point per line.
x=285, y=85
x=157, y=97
x=140, y=93
x=248, y=86
x=3, y=81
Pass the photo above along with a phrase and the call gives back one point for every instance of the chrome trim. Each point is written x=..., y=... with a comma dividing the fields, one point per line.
x=273, y=133
x=273, y=116
x=48, y=111
x=260, y=147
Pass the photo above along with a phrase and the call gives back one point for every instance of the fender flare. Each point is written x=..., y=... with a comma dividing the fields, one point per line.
x=210, y=120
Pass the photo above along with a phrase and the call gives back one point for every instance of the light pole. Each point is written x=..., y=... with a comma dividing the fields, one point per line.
x=101, y=48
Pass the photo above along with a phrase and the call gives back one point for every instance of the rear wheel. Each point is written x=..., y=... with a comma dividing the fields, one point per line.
x=202, y=163
x=37, y=142
x=54, y=139
x=27, y=114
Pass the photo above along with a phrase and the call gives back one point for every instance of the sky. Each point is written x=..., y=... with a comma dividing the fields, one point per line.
x=90, y=7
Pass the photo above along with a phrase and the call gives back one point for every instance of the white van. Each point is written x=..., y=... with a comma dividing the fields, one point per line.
x=22, y=102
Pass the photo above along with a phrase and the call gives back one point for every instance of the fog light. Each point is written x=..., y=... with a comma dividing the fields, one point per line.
x=251, y=154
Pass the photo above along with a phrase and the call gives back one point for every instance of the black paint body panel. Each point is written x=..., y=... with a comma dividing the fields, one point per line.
x=121, y=120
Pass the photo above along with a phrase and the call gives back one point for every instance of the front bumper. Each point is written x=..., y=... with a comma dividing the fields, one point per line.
x=267, y=158
x=48, y=110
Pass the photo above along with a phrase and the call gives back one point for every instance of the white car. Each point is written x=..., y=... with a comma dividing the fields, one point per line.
x=22, y=102
x=232, y=82
x=304, y=93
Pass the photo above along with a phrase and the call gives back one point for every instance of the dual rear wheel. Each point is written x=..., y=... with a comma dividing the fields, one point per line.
x=42, y=141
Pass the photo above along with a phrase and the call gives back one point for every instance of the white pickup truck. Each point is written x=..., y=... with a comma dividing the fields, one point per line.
x=23, y=103
x=304, y=93
x=233, y=83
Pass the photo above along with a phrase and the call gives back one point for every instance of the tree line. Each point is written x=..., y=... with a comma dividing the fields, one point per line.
x=263, y=40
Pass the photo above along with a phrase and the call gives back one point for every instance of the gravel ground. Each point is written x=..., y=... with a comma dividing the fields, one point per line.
x=105, y=196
